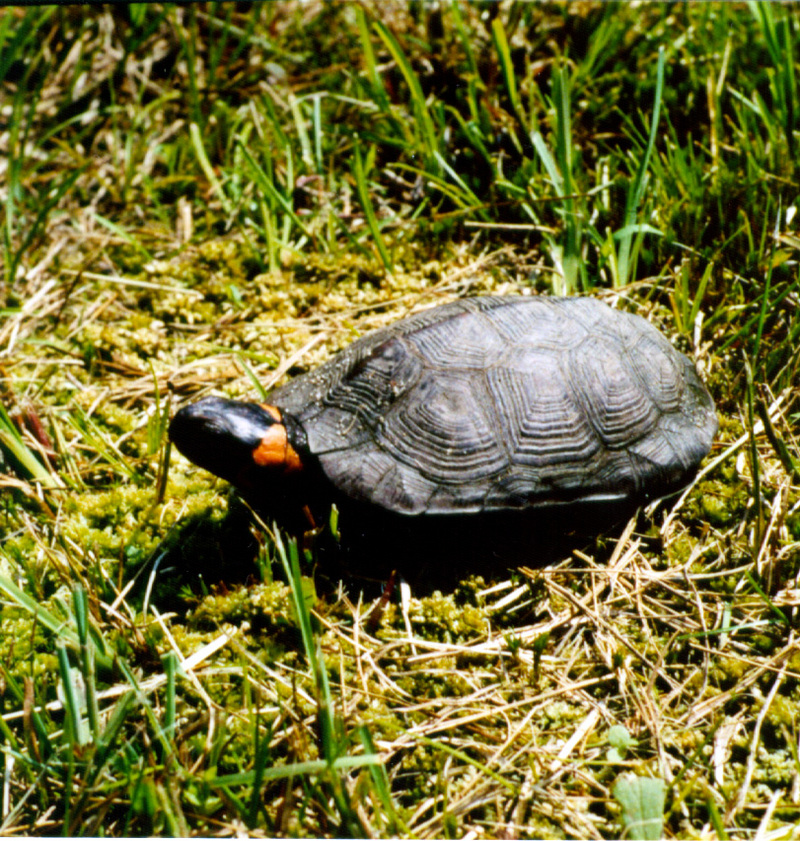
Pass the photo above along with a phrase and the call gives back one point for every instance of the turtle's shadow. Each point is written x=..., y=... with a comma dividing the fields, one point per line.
x=200, y=554
x=437, y=552
x=429, y=552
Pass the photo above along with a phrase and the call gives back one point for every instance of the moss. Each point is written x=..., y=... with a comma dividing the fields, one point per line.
x=728, y=670
x=263, y=606
x=559, y=714
x=105, y=521
x=720, y=499
x=793, y=663
x=685, y=741
x=381, y=720
x=467, y=592
x=773, y=768
x=793, y=524
x=422, y=683
x=229, y=257
x=723, y=503
x=114, y=419
x=441, y=618
x=784, y=712
x=539, y=827
x=420, y=767
x=25, y=648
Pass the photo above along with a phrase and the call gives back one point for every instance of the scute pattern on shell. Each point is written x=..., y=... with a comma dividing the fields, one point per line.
x=505, y=402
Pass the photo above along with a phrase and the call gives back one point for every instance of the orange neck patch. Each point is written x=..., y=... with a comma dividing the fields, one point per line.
x=273, y=411
x=275, y=451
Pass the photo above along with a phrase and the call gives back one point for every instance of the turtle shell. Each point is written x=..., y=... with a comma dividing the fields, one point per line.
x=513, y=402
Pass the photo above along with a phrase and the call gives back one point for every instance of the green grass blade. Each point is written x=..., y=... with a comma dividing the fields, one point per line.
x=549, y=162
x=636, y=190
x=428, y=142
x=507, y=68
x=302, y=132
x=295, y=769
x=318, y=129
x=202, y=159
x=170, y=663
x=265, y=183
x=119, y=231
x=572, y=261
x=80, y=607
x=380, y=781
x=21, y=599
x=15, y=446
x=369, y=212
x=459, y=754
x=92, y=435
x=76, y=731
x=262, y=755
x=377, y=88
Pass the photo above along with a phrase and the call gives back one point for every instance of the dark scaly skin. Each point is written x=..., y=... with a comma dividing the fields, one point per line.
x=250, y=446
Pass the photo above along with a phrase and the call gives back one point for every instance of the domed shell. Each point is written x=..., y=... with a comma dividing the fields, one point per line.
x=511, y=402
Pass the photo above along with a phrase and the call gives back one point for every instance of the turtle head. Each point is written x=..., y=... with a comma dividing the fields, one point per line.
x=243, y=443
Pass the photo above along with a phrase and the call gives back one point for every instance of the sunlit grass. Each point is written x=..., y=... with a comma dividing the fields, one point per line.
x=199, y=197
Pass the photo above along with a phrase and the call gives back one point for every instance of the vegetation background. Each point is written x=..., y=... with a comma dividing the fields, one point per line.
x=196, y=197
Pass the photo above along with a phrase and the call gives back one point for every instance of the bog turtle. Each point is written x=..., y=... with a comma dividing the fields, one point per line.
x=480, y=405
